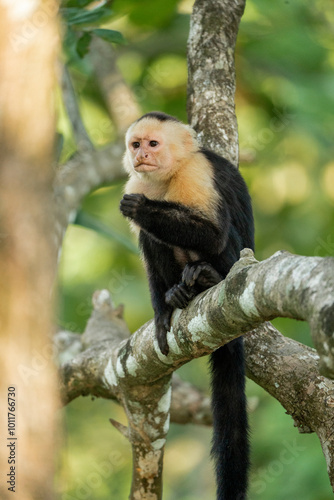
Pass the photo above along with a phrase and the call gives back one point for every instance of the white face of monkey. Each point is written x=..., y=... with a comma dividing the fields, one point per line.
x=158, y=148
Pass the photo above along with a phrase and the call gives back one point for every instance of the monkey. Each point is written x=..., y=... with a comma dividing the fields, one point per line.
x=193, y=215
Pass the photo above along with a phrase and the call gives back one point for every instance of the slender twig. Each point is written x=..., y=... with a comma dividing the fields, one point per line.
x=81, y=136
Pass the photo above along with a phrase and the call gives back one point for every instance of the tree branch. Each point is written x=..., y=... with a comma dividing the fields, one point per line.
x=83, y=357
x=84, y=172
x=134, y=370
x=81, y=137
x=211, y=82
x=120, y=102
x=289, y=371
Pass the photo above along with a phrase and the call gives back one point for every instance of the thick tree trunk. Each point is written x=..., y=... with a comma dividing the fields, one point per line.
x=28, y=383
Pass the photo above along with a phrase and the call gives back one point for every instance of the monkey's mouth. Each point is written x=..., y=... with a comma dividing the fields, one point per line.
x=145, y=167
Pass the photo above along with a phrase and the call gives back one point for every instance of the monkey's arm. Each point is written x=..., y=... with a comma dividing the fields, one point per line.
x=176, y=224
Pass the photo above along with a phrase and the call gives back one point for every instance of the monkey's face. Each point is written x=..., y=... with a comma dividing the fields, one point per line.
x=147, y=151
x=156, y=148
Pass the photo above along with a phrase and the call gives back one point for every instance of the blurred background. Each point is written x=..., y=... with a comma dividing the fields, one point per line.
x=284, y=106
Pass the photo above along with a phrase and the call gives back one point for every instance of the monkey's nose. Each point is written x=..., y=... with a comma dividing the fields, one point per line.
x=142, y=154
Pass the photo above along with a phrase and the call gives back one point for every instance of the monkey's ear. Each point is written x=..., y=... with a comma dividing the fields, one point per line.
x=191, y=131
x=190, y=138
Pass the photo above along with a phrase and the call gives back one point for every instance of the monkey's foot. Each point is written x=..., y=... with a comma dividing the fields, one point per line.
x=179, y=296
x=202, y=274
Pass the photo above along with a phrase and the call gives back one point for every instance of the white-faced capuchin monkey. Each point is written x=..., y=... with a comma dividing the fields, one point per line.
x=194, y=216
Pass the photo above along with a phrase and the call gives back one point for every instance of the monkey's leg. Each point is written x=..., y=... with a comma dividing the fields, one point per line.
x=202, y=274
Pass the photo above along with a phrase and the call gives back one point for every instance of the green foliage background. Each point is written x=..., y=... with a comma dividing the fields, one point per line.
x=284, y=104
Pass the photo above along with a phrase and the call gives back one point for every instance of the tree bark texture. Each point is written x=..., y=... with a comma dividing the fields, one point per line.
x=29, y=46
x=211, y=82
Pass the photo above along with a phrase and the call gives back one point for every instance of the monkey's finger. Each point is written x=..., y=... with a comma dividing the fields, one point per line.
x=211, y=275
x=171, y=297
x=127, y=210
x=131, y=196
x=197, y=271
x=203, y=268
x=162, y=341
x=164, y=348
x=129, y=215
x=209, y=279
x=177, y=302
x=129, y=203
x=178, y=296
x=134, y=197
x=166, y=324
x=184, y=293
x=188, y=275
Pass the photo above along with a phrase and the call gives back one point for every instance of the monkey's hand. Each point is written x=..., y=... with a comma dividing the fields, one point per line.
x=202, y=274
x=131, y=203
x=179, y=296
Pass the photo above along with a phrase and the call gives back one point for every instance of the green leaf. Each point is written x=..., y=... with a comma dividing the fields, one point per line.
x=148, y=13
x=69, y=12
x=83, y=44
x=78, y=3
x=81, y=16
x=110, y=35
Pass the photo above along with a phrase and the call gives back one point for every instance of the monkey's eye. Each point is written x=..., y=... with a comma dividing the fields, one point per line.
x=153, y=144
x=135, y=145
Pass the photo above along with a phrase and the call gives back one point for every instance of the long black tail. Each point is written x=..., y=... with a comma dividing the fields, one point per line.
x=230, y=427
